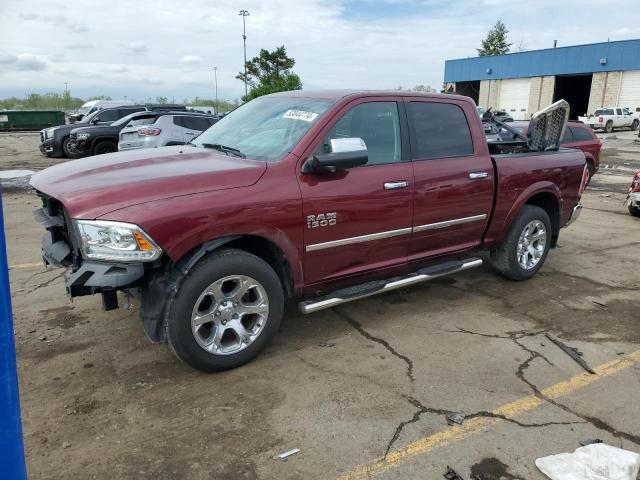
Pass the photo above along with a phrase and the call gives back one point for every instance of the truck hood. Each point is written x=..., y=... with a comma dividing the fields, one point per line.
x=94, y=186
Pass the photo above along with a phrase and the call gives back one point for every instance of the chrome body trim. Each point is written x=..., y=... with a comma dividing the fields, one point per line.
x=575, y=213
x=311, y=306
x=360, y=239
x=392, y=233
x=478, y=175
x=448, y=223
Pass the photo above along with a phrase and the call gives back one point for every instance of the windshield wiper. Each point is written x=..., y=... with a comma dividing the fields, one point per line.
x=224, y=149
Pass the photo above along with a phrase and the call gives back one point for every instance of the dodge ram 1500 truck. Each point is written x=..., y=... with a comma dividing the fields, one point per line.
x=322, y=197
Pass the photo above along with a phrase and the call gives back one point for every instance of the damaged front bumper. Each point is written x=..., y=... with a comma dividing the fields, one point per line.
x=91, y=277
x=633, y=200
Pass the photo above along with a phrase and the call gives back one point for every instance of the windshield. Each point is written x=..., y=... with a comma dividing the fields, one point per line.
x=265, y=128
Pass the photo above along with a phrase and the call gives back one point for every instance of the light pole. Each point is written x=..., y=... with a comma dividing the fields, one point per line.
x=244, y=14
x=65, y=97
x=215, y=75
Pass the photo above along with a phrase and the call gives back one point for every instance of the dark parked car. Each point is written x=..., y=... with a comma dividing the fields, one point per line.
x=55, y=141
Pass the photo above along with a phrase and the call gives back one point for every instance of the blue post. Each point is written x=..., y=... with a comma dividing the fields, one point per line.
x=12, y=463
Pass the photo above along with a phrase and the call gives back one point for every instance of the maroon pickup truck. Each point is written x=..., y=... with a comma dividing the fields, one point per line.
x=321, y=197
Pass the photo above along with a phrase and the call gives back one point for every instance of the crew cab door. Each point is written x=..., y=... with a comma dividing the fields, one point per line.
x=454, y=178
x=359, y=219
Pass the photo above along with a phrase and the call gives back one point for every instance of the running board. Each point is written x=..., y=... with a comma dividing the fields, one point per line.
x=373, y=288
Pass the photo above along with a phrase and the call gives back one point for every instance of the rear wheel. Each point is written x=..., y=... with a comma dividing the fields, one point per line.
x=608, y=128
x=526, y=246
x=227, y=309
x=634, y=125
x=105, y=147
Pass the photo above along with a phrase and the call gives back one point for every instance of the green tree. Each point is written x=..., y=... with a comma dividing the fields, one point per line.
x=496, y=41
x=270, y=72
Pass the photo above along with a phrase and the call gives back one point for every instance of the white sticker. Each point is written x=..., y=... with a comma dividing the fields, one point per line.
x=4, y=118
x=300, y=115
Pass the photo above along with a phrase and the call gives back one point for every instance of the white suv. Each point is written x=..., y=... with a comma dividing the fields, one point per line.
x=173, y=128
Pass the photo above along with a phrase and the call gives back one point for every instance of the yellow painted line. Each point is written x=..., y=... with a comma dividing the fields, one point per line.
x=26, y=265
x=478, y=424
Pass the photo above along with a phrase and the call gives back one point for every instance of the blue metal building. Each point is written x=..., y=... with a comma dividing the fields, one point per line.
x=588, y=76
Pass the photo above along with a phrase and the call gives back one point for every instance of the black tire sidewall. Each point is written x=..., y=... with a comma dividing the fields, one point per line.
x=528, y=214
x=207, y=271
x=65, y=150
x=100, y=145
x=608, y=127
x=634, y=125
x=634, y=211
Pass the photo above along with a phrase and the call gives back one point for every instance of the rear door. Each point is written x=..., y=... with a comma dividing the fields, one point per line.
x=359, y=220
x=454, y=177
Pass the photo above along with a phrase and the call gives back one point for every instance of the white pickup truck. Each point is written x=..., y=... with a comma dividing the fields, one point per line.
x=612, y=117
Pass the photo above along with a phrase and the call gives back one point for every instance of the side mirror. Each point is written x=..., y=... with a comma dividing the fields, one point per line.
x=345, y=153
x=94, y=120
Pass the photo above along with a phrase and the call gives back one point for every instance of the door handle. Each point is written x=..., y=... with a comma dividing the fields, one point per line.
x=396, y=185
x=478, y=175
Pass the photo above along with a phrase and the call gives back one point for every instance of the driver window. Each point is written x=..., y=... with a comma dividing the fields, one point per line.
x=377, y=124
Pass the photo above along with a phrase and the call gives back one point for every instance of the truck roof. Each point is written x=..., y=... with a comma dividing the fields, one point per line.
x=343, y=93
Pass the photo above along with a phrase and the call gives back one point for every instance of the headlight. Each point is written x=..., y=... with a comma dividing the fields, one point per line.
x=83, y=135
x=49, y=132
x=125, y=242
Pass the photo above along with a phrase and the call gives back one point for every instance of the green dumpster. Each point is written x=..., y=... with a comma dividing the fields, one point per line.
x=30, y=119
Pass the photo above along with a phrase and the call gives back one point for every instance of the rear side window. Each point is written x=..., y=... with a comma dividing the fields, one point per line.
x=441, y=130
x=108, y=116
x=193, y=123
x=568, y=136
x=604, y=111
x=618, y=111
x=581, y=134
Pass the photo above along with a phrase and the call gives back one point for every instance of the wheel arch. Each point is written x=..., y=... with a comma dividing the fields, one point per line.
x=545, y=195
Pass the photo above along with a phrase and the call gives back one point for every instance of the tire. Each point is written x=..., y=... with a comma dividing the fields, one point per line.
x=608, y=128
x=506, y=258
x=635, y=211
x=635, y=124
x=200, y=293
x=592, y=171
x=105, y=146
x=65, y=149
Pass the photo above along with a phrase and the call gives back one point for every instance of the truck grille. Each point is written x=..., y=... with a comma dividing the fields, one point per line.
x=57, y=246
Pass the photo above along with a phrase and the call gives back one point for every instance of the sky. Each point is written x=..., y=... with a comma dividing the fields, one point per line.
x=142, y=49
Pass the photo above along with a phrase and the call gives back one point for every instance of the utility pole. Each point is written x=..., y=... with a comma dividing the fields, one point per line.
x=244, y=14
x=65, y=96
x=215, y=75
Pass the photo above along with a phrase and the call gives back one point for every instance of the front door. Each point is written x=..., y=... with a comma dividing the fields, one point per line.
x=453, y=180
x=359, y=219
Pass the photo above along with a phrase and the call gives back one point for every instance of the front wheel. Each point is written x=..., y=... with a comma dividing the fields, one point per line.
x=526, y=246
x=635, y=211
x=105, y=147
x=226, y=310
x=634, y=125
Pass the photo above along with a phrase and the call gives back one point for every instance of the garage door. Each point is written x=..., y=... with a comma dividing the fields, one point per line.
x=630, y=90
x=514, y=97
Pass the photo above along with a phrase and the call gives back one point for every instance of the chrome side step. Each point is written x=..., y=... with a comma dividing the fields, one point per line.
x=373, y=288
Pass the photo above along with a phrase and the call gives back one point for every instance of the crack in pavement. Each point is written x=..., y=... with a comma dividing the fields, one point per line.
x=381, y=341
x=520, y=374
x=43, y=284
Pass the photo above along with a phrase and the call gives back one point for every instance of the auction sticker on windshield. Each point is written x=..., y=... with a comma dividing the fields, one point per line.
x=300, y=115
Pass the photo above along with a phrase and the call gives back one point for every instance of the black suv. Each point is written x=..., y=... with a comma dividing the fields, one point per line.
x=55, y=141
